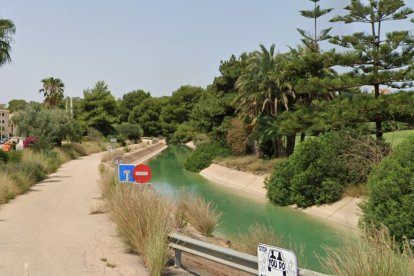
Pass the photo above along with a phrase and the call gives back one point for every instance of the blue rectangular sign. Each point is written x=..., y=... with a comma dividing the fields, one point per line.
x=125, y=173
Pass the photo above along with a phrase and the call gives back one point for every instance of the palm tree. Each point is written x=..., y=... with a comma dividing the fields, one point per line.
x=263, y=88
x=264, y=84
x=7, y=29
x=53, y=91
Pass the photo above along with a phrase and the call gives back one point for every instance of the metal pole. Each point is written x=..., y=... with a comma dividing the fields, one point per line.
x=71, y=107
x=177, y=259
x=1, y=126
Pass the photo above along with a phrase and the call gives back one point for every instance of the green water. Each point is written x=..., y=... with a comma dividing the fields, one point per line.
x=240, y=211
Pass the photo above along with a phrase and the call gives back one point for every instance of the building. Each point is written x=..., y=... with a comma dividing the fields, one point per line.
x=5, y=124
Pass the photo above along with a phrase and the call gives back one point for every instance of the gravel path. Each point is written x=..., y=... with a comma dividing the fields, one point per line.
x=50, y=231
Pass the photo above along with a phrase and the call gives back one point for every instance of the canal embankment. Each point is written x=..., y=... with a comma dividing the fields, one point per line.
x=138, y=155
x=344, y=212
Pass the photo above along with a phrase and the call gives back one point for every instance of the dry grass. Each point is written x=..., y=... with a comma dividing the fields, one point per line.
x=375, y=253
x=107, y=182
x=31, y=167
x=110, y=155
x=202, y=215
x=356, y=190
x=257, y=233
x=93, y=147
x=143, y=217
x=8, y=188
x=249, y=163
x=144, y=221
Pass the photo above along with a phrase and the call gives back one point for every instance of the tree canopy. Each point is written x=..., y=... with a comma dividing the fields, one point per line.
x=7, y=29
x=52, y=90
x=98, y=108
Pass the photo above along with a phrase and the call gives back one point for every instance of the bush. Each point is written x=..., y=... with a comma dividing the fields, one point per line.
x=237, y=137
x=391, y=193
x=184, y=133
x=14, y=156
x=320, y=168
x=4, y=157
x=204, y=154
x=129, y=131
x=50, y=126
x=29, y=141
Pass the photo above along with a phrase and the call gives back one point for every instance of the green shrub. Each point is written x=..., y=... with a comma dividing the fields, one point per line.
x=15, y=156
x=204, y=154
x=183, y=134
x=312, y=175
x=391, y=193
x=4, y=157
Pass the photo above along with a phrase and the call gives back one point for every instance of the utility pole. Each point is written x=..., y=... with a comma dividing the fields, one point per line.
x=71, y=107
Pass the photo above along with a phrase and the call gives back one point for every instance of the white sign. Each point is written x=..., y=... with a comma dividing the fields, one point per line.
x=112, y=140
x=276, y=261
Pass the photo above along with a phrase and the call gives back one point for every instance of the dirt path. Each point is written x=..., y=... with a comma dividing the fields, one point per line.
x=50, y=231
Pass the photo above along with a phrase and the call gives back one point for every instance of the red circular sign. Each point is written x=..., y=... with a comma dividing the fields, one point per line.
x=142, y=173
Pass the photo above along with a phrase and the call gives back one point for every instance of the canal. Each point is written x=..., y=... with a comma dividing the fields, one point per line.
x=241, y=210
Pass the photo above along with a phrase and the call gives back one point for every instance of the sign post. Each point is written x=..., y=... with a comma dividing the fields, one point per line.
x=276, y=261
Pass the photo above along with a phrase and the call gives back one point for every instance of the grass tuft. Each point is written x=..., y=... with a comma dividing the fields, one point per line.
x=256, y=233
x=375, y=253
x=143, y=219
x=8, y=189
x=202, y=215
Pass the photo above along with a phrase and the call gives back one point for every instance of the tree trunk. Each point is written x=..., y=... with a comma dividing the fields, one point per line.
x=290, y=144
x=256, y=149
x=302, y=136
x=378, y=119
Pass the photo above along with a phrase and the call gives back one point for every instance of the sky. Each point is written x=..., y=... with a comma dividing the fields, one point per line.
x=155, y=45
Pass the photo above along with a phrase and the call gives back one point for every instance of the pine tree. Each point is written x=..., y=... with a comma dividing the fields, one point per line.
x=309, y=67
x=377, y=59
x=311, y=41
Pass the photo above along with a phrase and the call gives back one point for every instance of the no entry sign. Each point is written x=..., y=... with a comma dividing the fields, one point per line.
x=142, y=173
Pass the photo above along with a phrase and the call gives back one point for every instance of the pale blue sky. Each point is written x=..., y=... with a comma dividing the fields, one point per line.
x=132, y=44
